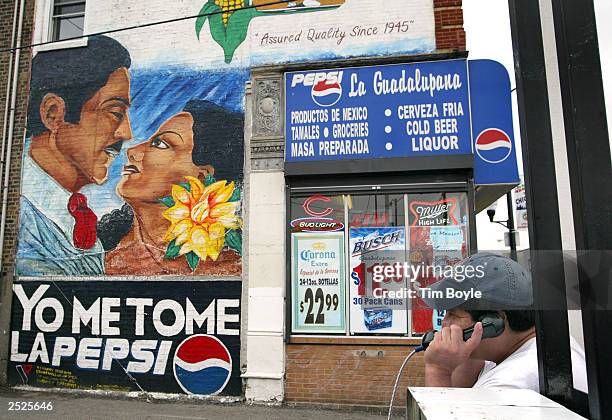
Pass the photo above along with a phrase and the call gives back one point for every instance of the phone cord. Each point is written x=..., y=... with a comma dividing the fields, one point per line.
x=399, y=374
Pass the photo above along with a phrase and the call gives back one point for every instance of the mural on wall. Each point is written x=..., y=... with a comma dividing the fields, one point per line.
x=133, y=164
x=229, y=19
x=127, y=336
x=177, y=194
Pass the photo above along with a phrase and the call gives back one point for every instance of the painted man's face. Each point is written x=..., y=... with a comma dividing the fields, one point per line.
x=163, y=160
x=93, y=143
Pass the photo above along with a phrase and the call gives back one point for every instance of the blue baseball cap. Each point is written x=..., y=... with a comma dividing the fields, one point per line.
x=482, y=281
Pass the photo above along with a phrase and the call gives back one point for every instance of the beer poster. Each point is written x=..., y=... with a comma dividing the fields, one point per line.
x=438, y=239
x=317, y=282
x=375, y=307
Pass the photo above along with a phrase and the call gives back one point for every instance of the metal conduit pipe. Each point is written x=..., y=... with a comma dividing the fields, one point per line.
x=9, y=78
x=9, y=143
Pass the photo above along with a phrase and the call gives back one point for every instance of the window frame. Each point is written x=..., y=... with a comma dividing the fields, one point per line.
x=389, y=186
x=43, y=17
x=58, y=17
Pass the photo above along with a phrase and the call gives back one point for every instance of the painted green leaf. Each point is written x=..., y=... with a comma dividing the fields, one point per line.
x=209, y=180
x=237, y=28
x=186, y=186
x=235, y=195
x=230, y=37
x=167, y=201
x=173, y=250
x=193, y=260
x=208, y=8
x=233, y=239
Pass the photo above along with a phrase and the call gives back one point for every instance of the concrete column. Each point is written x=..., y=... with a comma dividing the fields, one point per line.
x=265, y=239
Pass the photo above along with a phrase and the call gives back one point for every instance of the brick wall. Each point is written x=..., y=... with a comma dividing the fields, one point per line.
x=351, y=374
x=10, y=237
x=450, y=35
x=6, y=25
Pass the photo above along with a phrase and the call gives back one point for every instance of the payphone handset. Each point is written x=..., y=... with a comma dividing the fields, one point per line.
x=492, y=326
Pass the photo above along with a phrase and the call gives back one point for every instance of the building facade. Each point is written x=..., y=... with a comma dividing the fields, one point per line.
x=152, y=233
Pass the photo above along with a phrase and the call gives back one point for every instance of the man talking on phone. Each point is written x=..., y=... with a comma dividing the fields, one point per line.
x=508, y=360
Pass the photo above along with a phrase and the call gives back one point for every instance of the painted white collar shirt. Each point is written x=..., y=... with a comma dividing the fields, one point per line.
x=45, y=236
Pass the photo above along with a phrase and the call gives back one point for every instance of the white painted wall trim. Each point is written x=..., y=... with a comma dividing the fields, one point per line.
x=43, y=13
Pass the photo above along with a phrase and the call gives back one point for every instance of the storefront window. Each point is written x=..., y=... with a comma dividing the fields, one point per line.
x=341, y=245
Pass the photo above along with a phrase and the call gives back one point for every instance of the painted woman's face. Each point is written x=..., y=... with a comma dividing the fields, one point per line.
x=163, y=160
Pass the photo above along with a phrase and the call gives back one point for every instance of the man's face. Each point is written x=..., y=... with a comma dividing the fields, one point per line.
x=457, y=317
x=93, y=143
x=464, y=320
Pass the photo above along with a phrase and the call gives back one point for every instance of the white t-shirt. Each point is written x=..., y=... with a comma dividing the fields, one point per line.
x=520, y=369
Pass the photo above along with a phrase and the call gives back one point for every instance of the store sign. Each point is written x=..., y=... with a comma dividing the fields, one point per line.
x=321, y=224
x=404, y=110
x=313, y=206
x=317, y=281
x=520, y=206
x=378, y=241
x=437, y=213
x=446, y=238
x=492, y=126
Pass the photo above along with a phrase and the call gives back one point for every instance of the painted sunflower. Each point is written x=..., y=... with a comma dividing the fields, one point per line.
x=203, y=218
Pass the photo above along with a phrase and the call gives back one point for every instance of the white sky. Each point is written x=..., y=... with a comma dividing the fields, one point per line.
x=487, y=27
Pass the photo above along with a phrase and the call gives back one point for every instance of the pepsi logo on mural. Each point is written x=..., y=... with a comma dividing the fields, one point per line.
x=493, y=145
x=180, y=342
x=202, y=365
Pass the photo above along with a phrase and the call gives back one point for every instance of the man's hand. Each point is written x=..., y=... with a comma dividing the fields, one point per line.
x=447, y=351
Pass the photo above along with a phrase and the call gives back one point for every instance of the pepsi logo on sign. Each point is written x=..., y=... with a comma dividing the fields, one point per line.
x=326, y=93
x=493, y=145
x=202, y=365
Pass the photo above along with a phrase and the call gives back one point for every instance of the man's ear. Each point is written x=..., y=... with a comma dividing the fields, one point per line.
x=52, y=111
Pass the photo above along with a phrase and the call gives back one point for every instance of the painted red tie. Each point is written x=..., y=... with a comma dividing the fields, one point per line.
x=84, y=233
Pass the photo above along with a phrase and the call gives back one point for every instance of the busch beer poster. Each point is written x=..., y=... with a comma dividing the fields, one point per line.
x=171, y=336
x=317, y=268
x=370, y=312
